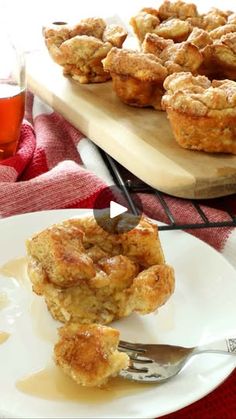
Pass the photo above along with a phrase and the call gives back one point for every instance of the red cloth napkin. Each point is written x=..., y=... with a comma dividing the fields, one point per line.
x=47, y=172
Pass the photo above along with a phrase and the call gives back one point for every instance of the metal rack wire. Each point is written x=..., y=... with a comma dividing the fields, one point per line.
x=129, y=184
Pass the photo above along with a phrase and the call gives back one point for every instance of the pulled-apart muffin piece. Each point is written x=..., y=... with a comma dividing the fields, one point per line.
x=202, y=113
x=182, y=56
x=137, y=78
x=89, y=354
x=89, y=275
x=81, y=48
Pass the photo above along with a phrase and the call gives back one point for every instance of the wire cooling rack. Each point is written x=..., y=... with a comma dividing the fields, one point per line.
x=129, y=185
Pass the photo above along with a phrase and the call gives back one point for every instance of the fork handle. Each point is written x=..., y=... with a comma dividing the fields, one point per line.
x=227, y=346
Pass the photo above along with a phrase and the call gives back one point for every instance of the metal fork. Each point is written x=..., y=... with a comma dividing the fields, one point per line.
x=150, y=363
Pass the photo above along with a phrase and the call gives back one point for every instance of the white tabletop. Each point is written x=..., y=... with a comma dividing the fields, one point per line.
x=26, y=17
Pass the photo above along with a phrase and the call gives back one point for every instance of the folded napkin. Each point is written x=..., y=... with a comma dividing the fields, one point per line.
x=57, y=167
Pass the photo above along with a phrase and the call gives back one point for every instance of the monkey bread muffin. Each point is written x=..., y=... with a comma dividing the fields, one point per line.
x=88, y=275
x=202, y=113
x=137, y=78
x=80, y=48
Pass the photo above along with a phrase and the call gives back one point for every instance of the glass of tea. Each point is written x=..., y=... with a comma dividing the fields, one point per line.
x=12, y=94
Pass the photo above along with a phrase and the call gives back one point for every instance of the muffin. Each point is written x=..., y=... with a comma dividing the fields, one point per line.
x=80, y=48
x=202, y=113
x=88, y=275
x=89, y=354
x=137, y=78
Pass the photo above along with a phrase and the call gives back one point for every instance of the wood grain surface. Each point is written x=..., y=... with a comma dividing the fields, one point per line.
x=140, y=139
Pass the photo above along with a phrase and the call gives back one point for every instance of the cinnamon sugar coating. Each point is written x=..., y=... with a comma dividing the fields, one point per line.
x=175, y=29
x=88, y=275
x=175, y=57
x=80, y=48
x=200, y=38
x=202, y=113
x=220, y=57
x=214, y=18
x=146, y=21
x=178, y=9
x=137, y=77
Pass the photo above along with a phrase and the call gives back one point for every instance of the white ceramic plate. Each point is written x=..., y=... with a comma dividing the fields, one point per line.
x=202, y=309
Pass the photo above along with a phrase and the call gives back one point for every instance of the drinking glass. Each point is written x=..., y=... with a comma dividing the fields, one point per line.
x=12, y=94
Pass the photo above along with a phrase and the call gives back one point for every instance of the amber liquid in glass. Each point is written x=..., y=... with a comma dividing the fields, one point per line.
x=12, y=106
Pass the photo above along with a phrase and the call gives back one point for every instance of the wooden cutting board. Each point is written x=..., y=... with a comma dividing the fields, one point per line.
x=140, y=139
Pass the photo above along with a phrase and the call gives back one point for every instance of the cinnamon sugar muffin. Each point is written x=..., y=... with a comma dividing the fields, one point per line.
x=88, y=275
x=80, y=48
x=137, y=78
x=89, y=354
x=202, y=113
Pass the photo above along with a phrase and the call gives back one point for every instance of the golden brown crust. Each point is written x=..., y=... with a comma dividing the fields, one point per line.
x=202, y=114
x=179, y=9
x=222, y=30
x=214, y=18
x=114, y=34
x=200, y=38
x=89, y=354
x=220, y=57
x=82, y=58
x=175, y=29
x=92, y=26
x=105, y=291
x=81, y=48
x=209, y=134
x=232, y=19
x=54, y=36
x=144, y=22
x=152, y=287
x=59, y=249
x=178, y=57
x=144, y=67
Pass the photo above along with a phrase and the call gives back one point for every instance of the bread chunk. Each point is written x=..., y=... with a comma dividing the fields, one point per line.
x=89, y=354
